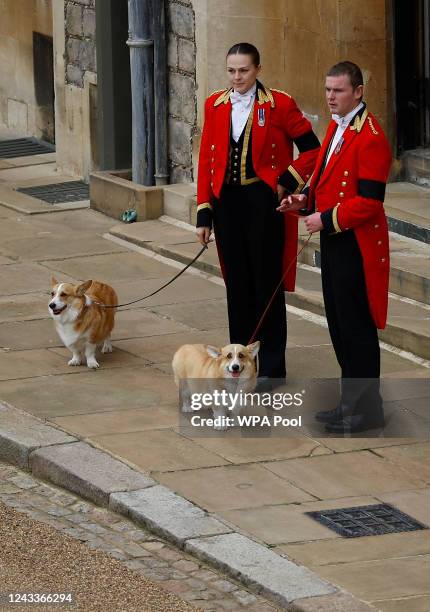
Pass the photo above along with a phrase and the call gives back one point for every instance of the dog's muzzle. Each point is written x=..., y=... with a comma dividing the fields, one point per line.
x=235, y=370
x=55, y=310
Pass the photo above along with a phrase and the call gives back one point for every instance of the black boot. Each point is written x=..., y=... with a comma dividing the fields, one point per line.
x=330, y=416
x=357, y=423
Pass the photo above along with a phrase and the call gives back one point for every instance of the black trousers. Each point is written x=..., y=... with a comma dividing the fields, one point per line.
x=352, y=329
x=250, y=236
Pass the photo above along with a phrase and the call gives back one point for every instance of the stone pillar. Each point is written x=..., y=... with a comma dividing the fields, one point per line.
x=181, y=88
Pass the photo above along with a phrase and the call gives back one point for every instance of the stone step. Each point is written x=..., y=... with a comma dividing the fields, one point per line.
x=407, y=207
x=416, y=166
x=408, y=325
x=410, y=265
x=408, y=210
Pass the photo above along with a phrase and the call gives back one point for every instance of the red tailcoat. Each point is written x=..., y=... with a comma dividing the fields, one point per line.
x=272, y=154
x=350, y=195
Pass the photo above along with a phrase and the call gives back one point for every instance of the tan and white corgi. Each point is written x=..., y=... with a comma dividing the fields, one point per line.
x=80, y=319
x=231, y=368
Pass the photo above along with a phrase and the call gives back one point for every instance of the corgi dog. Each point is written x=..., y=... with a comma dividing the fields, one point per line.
x=80, y=319
x=231, y=368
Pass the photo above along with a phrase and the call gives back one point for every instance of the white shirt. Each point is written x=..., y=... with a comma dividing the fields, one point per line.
x=342, y=124
x=241, y=107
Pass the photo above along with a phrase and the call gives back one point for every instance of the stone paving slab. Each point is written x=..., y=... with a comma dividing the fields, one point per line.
x=237, y=449
x=119, y=421
x=260, y=567
x=159, y=450
x=86, y=471
x=110, y=268
x=416, y=503
x=382, y=579
x=39, y=248
x=20, y=434
x=217, y=488
x=367, y=548
x=288, y=522
x=23, y=307
x=168, y=514
x=27, y=278
x=84, y=391
x=335, y=476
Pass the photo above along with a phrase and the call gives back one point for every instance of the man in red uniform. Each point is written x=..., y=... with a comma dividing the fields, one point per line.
x=246, y=163
x=345, y=204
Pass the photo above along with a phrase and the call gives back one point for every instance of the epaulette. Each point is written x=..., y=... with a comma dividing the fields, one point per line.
x=282, y=92
x=265, y=95
x=359, y=121
x=224, y=97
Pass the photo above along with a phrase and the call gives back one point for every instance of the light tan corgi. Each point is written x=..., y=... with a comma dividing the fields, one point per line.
x=80, y=319
x=231, y=368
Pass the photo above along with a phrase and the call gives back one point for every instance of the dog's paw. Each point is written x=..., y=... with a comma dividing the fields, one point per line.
x=107, y=347
x=74, y=361
x=92, y=363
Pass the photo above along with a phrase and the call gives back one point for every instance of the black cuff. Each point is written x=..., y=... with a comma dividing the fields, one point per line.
x=371, y=189
x=288, y=181
x=327, y=221
x=204, y=218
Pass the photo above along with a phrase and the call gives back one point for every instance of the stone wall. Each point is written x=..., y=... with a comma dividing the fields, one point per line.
x=80, y=31
x=182, y=88
x=20, y=111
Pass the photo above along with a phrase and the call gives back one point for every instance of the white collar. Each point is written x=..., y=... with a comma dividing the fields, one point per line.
x=245, y=96
x=344, y=121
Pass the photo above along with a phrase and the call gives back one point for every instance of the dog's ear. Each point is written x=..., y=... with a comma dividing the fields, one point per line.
x=53, y=281
x=213, y=351
x=254, y=348
x=80, y=290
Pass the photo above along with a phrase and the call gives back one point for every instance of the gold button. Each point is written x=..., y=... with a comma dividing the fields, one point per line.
x=341, y=194
x=273, y=167
x=212, y=184
x=382, y=259
x=346, y=173
x=273, y=145
x=343, y=183
x=379, y=241
x=236, y=150
x=212, y=147
x=235, y=163
x=235, y=179
x=376, y=226
x=337, y=203
x=212, y=171
x=273, y=156
x=213, y=159
x=236, y=156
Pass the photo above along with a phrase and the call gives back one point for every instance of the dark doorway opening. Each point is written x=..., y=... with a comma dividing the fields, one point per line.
x=113, y=85
x=412, y=68
x=43, y=67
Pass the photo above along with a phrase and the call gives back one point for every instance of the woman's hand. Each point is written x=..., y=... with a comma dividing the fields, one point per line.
x=203, y=235
x=292, y=203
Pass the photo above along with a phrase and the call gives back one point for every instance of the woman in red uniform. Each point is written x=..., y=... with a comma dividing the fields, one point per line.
x=245, y=166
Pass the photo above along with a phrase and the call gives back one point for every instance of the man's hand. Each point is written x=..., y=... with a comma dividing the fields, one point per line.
x=203, y=235
x=313, y=223
x=281, y=192
x=292, y=202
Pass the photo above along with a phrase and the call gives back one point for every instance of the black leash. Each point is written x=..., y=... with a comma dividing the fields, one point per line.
x=145, y=297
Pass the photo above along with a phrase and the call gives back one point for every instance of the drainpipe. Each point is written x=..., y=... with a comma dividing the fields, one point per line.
x=142, y=90
x=160, y=75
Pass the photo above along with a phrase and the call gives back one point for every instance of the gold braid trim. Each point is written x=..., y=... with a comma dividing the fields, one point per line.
x=372, y=127
x=300, y=181
x=359, y=121
x=204, y=205
x=334, y=219
x=224, y=97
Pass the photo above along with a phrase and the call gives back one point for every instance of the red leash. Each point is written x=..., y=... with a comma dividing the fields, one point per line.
x=260, y=322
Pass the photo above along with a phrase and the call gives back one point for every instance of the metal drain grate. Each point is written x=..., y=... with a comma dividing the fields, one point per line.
x=366, y=520
x=57, y=193
x=22, y=147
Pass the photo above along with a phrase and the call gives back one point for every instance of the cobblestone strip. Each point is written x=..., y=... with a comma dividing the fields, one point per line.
x=137, y=548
